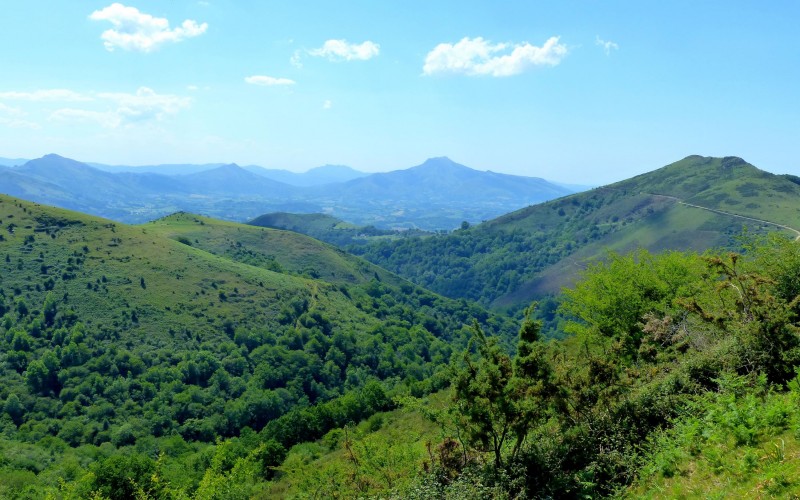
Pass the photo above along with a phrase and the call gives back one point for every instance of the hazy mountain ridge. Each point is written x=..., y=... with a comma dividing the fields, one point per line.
x=11, y=162
x=326, y=174
x=438, y=194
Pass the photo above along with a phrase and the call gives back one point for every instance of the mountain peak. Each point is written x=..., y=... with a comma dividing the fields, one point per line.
x=439, y=160
x=440, y=163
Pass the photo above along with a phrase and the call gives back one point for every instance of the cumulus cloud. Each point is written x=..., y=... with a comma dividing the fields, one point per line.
x=327, y=104
x=341, y=50
x=126, y=109
x=268, y=81
x=135, y=30
x=607, y=45
x=476, y=56
x=45, y=95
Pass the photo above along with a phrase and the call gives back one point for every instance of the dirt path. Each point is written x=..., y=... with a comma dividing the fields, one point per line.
x=722, y=212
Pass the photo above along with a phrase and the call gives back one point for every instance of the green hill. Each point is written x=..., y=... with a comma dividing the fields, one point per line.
x=187, y=328
x=329, y=229
x=694, y=204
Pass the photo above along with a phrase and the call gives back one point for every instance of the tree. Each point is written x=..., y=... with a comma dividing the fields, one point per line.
x=49, y=309
x=498, y=400
x=13, y=407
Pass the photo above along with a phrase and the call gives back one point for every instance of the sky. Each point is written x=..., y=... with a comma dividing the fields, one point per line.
x=576, y=91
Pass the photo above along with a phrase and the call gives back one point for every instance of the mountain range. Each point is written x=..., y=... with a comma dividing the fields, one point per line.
x=438, y=194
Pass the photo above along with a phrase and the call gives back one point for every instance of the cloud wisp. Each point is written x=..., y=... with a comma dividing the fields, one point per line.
x=136, y=31
x=479, y=57
x=145, y=105
x=13, y=118
x=268, y=81
x=607, y=45
x=62, y=95
x=342, y=50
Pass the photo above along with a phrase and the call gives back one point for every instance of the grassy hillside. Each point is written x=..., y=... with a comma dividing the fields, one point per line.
x=282, y=251
x=131, y=337
x=535, y=251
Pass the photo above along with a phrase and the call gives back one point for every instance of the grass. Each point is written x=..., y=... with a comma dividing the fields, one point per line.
x=743, y=445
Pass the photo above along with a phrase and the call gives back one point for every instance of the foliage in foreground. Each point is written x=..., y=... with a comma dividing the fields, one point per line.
x=678, y=379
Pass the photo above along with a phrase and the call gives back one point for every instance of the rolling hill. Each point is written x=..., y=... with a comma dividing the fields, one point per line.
x=214, y=299
x=694, y=204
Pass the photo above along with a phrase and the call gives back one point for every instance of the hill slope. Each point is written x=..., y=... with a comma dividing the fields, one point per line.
x=534, y=251
x=103, y=299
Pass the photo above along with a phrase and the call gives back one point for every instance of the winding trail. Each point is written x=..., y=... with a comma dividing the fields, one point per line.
x=729, y=214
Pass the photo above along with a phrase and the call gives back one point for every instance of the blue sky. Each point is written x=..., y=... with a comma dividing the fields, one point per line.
x=574, y=91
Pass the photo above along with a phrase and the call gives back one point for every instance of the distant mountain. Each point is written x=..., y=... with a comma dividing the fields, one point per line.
x=694, y=204
x=233, y=180
x=327, y=174
x=441, y=179
x=11, y=162
x=165, y=169
x=85, y=182
x=439, y=194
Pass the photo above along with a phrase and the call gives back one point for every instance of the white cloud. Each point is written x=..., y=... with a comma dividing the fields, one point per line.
x=45, y=95
x=476, y=56
x=268, y=81
x=126, y=109
x=607, y=45
x=341, y=50
x=134, y=30
x=327, y=104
